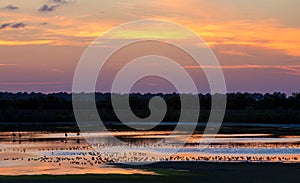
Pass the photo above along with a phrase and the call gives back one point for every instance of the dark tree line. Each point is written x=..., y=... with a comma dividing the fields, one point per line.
x=243, y=107
x=235, y=101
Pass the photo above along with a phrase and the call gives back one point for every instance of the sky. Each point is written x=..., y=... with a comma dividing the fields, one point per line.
x=257, y=42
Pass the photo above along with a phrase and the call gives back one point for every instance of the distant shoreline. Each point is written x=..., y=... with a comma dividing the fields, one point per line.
x=226, y=128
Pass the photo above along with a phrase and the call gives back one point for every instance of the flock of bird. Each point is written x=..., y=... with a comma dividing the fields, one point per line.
x=94, y=159
x=84, y=155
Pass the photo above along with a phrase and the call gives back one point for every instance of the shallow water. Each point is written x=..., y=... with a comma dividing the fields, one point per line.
x=58, y=153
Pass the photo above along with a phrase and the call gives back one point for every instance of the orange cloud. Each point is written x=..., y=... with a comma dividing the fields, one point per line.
x=265, y=33
x=208, y=19
x=18, y=43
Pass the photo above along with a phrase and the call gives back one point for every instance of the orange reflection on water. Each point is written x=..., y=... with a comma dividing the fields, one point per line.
x=52, y=169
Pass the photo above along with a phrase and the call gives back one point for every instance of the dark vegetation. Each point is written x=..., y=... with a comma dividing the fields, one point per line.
x=241, y=107
x=182, y=172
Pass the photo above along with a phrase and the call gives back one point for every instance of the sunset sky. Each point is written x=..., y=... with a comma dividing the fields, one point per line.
x=257, y=42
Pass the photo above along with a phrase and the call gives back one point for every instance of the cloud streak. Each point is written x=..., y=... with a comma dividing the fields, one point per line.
x=5, y=25
x=292, y=69
x=23, y=43
x=13, y=26
x=235, y=53
x=18, y=25
x=11, y=7
x=246, y=66
x=60, y=1
x=48, y=8
x=29, y=83
x=3, y=65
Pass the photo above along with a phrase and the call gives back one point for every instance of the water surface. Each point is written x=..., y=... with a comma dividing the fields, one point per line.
x=59, y=153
